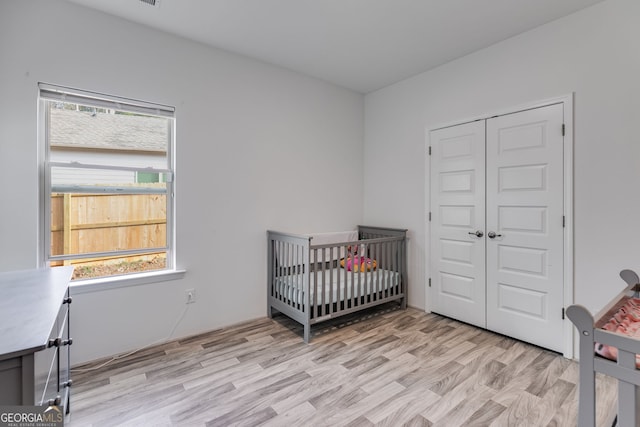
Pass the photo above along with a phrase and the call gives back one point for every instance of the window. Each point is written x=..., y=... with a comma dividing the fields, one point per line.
x=107, y=183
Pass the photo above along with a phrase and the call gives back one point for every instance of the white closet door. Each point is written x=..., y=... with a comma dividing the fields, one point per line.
x=457, y=213
x=525, y=210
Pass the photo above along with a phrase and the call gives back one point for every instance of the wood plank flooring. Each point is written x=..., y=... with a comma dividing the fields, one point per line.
x=386, y=367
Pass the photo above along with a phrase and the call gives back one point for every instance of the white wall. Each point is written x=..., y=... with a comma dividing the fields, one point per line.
x=258, y=147
x=594, y=53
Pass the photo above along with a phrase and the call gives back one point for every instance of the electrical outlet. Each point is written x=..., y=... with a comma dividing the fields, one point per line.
x=190, y=295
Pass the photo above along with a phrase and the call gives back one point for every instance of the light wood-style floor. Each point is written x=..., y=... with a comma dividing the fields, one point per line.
x=389, y=367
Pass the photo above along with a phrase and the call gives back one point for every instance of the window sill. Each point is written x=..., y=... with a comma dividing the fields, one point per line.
x=124, y=281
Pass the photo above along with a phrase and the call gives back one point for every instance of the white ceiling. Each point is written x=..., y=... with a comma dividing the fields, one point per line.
x=363, y=45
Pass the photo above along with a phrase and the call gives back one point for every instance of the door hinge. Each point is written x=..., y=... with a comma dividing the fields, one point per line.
x=563, y=129
x=562, y=313
x=563, y=221
x=429, y=150
x=429, y=216
x=429, y=281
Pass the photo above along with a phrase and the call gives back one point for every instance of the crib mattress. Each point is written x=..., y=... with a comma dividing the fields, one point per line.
x=336, y=285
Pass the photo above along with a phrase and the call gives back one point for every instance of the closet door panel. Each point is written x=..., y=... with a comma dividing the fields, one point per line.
x=457, y=213
x=525, y=211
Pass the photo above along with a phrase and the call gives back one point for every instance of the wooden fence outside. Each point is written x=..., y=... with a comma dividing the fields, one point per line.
x=86, y=223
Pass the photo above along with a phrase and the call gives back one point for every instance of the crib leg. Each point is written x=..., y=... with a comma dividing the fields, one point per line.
x=307, y=333
x=403, y=303
x=627, y=392
x=269, y=312
x=583, y=321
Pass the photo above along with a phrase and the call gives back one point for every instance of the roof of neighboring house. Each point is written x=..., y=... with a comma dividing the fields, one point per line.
x=82, y=129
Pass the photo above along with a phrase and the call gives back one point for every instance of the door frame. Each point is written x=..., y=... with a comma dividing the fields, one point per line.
x=568, y=252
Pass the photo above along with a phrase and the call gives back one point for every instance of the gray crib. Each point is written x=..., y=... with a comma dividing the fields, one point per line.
x=311, y=279
x=624, y=369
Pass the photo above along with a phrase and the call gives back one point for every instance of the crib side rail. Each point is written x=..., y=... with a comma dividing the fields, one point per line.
x=371, y=232
x=288, y=274
x=624, y=370
x=367, y=232
x=351, y=275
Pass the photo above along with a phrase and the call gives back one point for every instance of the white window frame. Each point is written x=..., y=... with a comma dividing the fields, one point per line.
x=49, y=92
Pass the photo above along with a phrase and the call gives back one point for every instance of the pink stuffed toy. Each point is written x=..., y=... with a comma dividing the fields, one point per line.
x=358, y=263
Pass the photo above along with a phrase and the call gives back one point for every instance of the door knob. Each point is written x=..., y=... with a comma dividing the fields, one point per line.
x=493, y=235
x=477, y=233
